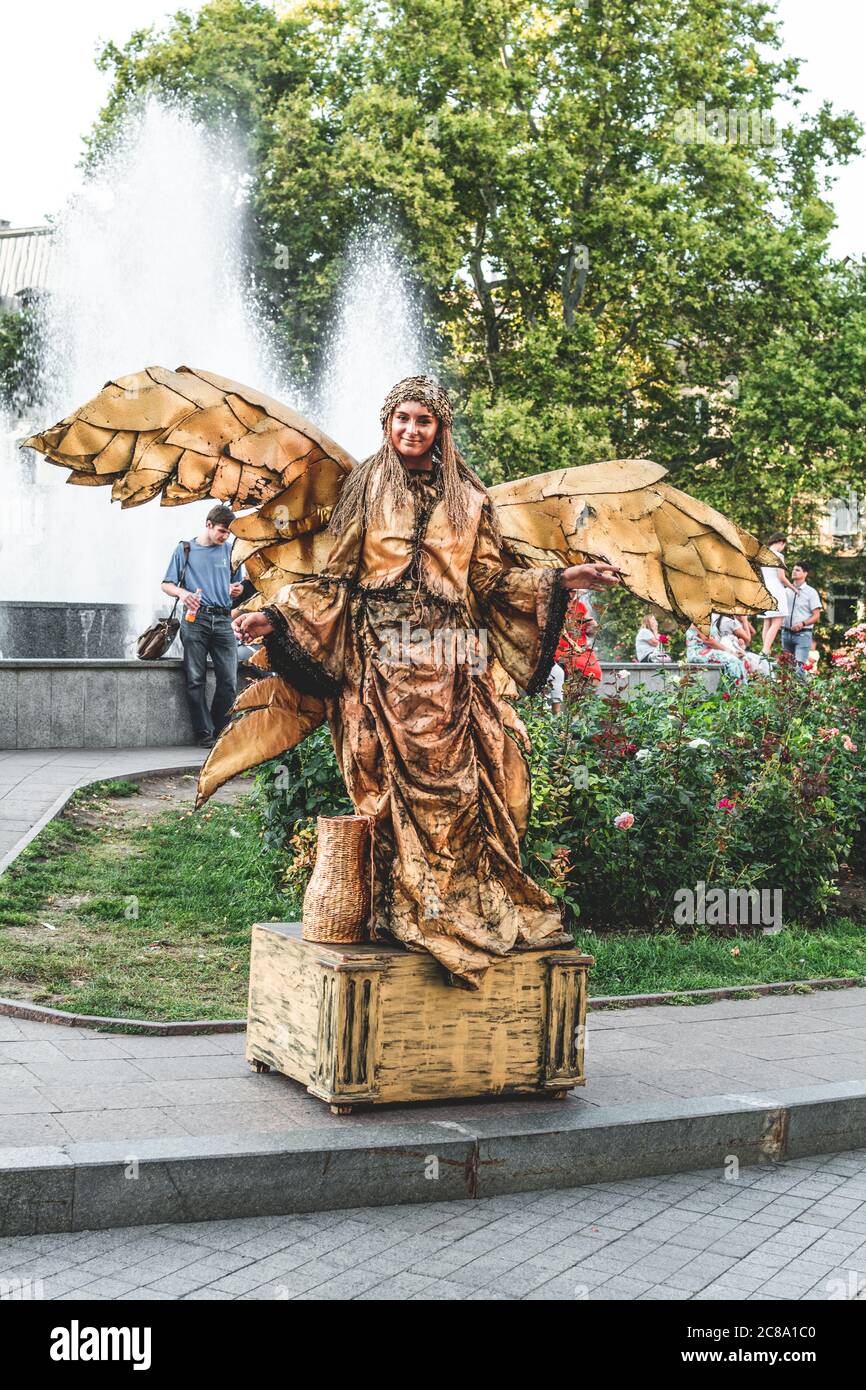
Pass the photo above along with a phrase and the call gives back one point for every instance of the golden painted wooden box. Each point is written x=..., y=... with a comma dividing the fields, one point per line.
x=368, y=1023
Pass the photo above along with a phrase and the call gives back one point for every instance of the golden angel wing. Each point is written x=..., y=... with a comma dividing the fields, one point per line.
x=678, y=553
x=274, y=717
x=189, y=434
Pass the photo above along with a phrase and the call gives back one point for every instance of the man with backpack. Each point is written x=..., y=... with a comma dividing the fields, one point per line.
x=199, y=573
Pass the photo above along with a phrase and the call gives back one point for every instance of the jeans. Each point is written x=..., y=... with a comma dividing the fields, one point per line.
x=798, y=645
x=210, y=633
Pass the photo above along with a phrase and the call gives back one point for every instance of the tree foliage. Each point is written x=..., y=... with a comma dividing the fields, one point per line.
x=617, y=251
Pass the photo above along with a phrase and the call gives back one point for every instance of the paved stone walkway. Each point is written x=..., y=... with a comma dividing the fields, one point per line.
x=59, y=1084
x=31, y=782
x=794, y=1231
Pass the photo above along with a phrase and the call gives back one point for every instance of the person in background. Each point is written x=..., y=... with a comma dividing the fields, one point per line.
x=779, y=585
x=735, y=632
x=704, y=649
x=575, y=659
x=649, y=643
x=555, y=687
x=798, y=633
x=575, y=651
x=206, y=628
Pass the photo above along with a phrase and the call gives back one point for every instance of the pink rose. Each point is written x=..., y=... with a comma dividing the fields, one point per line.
x=848, y=744
x=624, y=821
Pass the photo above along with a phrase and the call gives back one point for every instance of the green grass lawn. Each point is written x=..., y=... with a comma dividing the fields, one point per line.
x=627, y=964
x=151, y=916
x=113, y=910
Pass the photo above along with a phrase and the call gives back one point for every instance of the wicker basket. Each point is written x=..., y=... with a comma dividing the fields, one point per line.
x=337, y=900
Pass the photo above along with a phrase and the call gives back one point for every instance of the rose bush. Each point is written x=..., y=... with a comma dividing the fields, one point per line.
x=762, y=790
x=633, y=800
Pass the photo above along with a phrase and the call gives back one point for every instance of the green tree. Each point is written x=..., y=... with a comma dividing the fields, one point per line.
x=19, y=359
x=617, y=252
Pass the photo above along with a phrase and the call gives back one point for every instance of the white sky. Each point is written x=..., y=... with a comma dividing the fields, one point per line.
x=50, y=91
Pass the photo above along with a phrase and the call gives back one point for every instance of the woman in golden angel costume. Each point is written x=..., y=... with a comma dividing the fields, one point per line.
x=406, y=604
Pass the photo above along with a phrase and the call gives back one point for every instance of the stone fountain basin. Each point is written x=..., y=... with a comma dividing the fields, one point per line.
x=69, y=630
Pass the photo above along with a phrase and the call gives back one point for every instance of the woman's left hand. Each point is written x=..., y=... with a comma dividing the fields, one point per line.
x=595, y=576
x=249, y=626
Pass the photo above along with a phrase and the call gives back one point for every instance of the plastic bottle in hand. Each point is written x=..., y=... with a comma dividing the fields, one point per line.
x=191, y=612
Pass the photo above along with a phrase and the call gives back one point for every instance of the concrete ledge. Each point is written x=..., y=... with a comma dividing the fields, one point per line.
x=94, y=703
x=98, y=1186
x=99, y=702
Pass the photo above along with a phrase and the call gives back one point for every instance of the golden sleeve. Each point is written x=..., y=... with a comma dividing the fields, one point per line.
x=311, y=619
x=523, y=609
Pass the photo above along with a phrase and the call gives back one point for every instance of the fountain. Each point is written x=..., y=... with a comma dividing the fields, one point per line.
x=148, y=268
x=377, y=338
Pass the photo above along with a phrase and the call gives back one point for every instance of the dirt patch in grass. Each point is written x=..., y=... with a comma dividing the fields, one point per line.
x=131, y=905
x=852, y=893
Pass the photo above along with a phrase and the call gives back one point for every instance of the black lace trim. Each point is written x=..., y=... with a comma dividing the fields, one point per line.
x=403, y=589
x=550, y=636
x=290, y=660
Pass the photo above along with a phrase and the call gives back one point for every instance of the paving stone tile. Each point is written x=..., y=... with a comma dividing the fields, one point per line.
x=144, y=1296
x=27, y=1050
x=116, y=1072
x=32, y=1130
x=193, y=1068
x=24, y=1100
x=136, y=1046
x=93, y=1049
x=93, y=1126
x=245, y=1090
x=618, y=1289
x=15, y=1076
x=662, y=1292
x=71, y=1100
x=699, y=1272
x=400, y=1287
x=345, y=1286
x=234, y=1118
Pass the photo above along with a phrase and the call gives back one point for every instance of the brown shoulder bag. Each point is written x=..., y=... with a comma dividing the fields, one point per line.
x=155, y=641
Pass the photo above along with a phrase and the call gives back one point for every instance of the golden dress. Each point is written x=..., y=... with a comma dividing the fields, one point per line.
x=387, y=635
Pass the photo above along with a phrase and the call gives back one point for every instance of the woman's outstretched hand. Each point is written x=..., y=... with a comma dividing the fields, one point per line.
x=249, y=626
x=595, y=576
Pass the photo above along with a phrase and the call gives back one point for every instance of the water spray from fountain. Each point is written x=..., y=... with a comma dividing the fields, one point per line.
x=377, y=339
x=148, y=268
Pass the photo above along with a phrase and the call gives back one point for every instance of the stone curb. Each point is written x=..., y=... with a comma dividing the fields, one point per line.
x=53, y=810
x=40, y=1013
x=81, y=1187
x=638, y=1001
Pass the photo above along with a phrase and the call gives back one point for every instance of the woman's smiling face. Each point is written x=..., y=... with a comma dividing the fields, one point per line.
x=413, y=431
